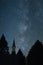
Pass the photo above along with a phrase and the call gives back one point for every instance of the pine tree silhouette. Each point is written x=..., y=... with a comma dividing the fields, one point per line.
x=35, y=55
x=21, y=58
x=4, y=49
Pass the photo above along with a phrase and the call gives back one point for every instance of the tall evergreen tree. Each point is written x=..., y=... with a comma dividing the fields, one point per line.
x=35, y=56
x=4, y=49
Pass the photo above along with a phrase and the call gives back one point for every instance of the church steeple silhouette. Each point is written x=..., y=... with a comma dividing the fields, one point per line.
x=13, y=48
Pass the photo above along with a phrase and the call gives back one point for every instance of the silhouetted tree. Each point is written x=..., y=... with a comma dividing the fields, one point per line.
x=35, y=56
x=21, y=58
x=4, y=49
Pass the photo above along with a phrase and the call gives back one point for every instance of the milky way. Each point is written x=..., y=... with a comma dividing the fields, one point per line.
x=21, y=20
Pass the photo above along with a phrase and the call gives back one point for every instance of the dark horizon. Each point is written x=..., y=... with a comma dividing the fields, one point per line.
x=34, y=57
x=3, y=38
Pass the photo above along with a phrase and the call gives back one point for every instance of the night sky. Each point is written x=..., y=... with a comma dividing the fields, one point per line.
x=21, y=20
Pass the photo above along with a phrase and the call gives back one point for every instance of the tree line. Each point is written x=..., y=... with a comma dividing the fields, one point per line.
x=34, y=57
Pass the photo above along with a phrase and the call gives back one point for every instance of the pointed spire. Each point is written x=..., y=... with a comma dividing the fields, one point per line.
x=13, y=44
x=13, y=48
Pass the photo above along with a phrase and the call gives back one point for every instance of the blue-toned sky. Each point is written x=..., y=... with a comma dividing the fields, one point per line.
x=21, y=20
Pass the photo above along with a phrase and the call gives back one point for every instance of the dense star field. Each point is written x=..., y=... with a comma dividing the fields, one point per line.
x=21, y=20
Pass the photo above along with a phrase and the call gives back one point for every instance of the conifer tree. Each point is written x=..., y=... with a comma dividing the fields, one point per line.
x=35, y=56
x=4, y=49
